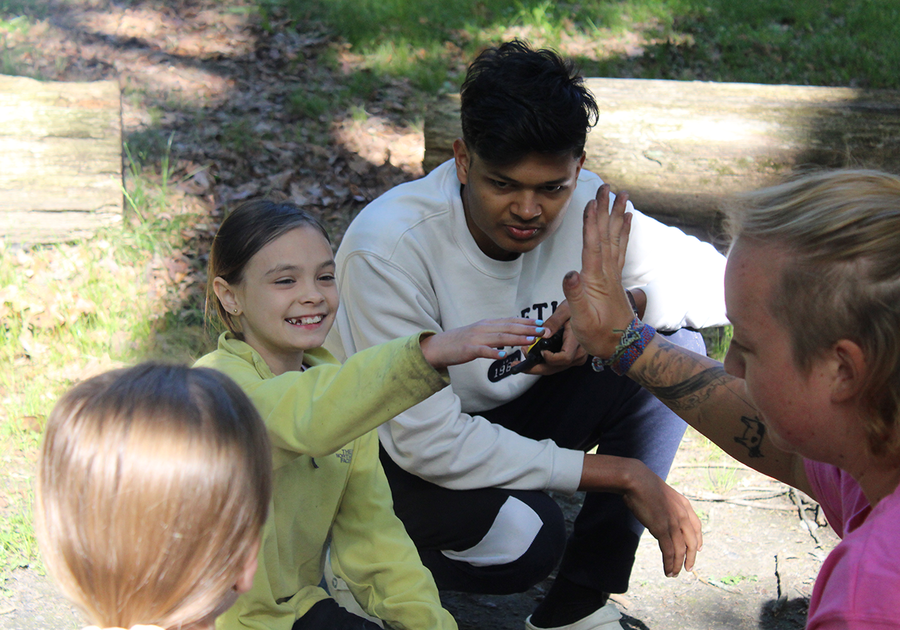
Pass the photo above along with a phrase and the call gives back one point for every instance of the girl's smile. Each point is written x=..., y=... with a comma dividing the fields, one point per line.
x=287, y=298
x=305, y=321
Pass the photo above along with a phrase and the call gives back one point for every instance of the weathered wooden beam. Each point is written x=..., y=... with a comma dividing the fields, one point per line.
x=60, y=159
x=680, y=147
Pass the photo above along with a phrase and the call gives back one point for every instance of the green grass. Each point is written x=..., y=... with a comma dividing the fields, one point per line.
x=18, y=547
x=734, y=580
x=12, y=50
x=817, y=42
x=71, y=310
x=775, y=41
x=428, y=43
x=23, y=7
x=306, y=103
x=717, y=341
x=93, y=306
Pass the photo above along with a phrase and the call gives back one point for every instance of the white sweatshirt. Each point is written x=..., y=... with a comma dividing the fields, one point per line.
x=408, y=262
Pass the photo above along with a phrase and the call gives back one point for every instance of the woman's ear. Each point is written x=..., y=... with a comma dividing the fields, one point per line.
x=248, y=570
x=850, y=373
x=227, y=296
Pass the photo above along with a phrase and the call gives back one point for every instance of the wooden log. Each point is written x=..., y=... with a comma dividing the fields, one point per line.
x=60, y=159
x=680, y=147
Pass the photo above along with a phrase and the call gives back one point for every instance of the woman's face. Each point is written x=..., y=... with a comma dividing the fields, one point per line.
x=793, y=405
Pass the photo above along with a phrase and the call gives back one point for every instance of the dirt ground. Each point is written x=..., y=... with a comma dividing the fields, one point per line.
x=211, y=80
x=756, y=570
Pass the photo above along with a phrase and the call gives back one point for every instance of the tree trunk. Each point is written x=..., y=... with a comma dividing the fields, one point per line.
x=681, y=148
x=60, y=159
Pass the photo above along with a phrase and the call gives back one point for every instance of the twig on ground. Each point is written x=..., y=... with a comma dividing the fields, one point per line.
x=779, y=590
x=745, y=500
x=809, y=525
x=714, y=465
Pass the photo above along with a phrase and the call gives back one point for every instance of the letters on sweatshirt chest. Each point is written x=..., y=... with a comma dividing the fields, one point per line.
x=540, y=310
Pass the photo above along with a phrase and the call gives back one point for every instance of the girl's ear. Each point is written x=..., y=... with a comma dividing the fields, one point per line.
x=227, y=296
x=245, y=577
x=850, y=371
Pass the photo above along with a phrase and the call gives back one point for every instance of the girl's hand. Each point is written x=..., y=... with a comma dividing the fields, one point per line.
x=481, y=340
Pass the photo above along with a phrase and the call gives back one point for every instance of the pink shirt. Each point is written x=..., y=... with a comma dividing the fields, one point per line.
x=859, y=583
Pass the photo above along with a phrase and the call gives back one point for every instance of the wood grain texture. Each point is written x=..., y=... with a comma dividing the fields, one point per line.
x=60, y=159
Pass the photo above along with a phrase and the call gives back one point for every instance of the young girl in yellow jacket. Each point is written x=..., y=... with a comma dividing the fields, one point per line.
x=271, y=280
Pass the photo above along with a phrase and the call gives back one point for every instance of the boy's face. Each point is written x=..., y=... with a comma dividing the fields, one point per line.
x=511, y=209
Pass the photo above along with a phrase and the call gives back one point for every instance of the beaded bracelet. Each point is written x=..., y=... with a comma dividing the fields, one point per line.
x=634, y=341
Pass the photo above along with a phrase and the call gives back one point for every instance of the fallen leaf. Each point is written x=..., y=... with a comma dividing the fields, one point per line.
x=31, y=346
x=279, y=181
x=198, y=184
x=45, y=319
x=35, y=424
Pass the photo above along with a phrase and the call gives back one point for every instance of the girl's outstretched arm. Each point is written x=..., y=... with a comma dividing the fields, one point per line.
x=481, y=340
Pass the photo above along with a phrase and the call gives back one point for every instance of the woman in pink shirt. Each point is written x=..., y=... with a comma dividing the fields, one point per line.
x=810, y=389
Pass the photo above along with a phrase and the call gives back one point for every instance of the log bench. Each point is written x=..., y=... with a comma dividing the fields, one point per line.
x=681, y=147
x=60, y=159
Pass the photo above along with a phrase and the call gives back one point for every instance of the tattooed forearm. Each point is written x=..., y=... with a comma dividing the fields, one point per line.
x=714, y=403
x=689, y=393
x=693, y=392
x=752, y=436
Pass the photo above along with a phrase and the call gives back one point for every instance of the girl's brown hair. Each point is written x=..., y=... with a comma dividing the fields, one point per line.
x=153, y=487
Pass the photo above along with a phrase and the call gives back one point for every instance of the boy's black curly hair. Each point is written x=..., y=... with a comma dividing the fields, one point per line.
x=516, y=100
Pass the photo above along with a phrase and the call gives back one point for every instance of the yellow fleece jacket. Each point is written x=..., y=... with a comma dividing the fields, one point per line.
x=329, y=485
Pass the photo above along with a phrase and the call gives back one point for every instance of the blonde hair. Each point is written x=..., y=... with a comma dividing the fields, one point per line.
x=153, y=487
x=841, y=233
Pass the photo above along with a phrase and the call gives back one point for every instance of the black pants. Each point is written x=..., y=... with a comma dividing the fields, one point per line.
x=578, y=409
x=327, y=614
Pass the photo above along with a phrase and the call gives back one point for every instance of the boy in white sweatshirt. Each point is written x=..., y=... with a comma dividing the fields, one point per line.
x=490, y=234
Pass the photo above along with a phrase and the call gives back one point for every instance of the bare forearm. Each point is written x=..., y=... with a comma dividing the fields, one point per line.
x=607, y=473
x=699, y=390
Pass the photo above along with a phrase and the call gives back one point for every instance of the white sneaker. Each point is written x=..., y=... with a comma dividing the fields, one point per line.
x=339, y=590
x=604, y=618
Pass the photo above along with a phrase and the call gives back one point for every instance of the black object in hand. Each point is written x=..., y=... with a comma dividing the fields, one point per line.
x=533, y=355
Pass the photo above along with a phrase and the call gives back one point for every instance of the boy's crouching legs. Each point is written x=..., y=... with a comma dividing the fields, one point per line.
x=490, y=540
x=520, y=549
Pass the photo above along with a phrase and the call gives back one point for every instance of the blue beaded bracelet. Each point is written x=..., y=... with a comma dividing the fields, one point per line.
x=634, y=341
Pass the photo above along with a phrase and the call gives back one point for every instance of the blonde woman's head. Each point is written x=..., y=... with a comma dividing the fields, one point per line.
x=153, y=487
x=840, y=232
